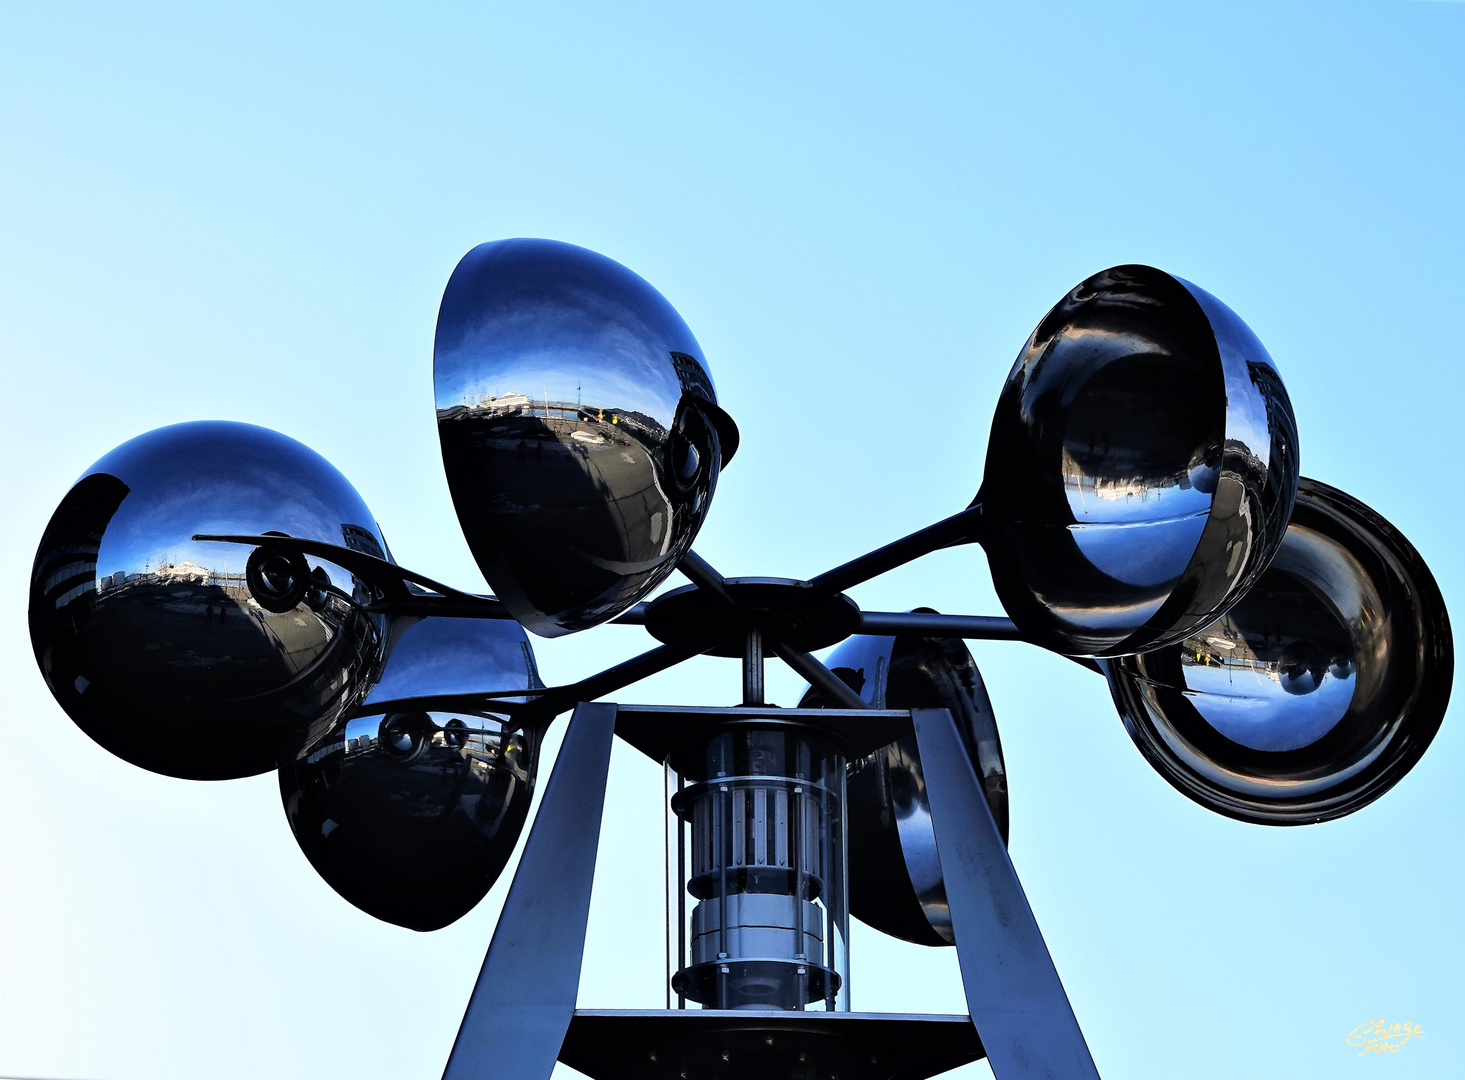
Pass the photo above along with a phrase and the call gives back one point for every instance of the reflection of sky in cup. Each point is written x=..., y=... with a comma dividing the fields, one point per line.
x=560, y=352
x=1140, y=455
x=550, y=320
x=220, y=477
x=455, y=656
x=1144, y=553
x=1248, y=704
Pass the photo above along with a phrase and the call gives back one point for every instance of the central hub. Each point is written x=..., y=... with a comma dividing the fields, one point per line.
x=792, y=612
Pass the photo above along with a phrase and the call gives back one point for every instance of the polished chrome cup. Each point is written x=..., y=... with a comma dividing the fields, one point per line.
x=895, y=879
x=580, y=429
x=197, y=659
x=1141, y=467
x=1317, y=692
x=411, y=808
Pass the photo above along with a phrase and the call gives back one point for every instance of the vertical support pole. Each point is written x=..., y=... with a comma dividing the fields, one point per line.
x=525, y=995
x=1012, y=989
x=753, y=668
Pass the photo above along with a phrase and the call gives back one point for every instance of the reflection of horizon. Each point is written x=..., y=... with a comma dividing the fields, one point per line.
x=170, y=573
x=515, y=405
x=1191, y=482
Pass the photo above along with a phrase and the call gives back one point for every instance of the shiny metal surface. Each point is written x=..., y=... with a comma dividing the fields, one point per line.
x=1317, y=692
x=410, y=811
x=1141, y=467
x=896, y=883
x=157, y=646
x=580, y=429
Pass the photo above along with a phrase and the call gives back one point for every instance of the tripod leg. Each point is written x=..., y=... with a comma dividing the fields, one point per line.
x=1012, y=989
x=525, y=994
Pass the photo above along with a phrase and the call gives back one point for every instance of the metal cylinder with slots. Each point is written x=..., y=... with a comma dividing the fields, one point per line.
x=757, y=887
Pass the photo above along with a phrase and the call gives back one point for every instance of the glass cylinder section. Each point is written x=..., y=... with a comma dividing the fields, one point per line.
x=756, y=878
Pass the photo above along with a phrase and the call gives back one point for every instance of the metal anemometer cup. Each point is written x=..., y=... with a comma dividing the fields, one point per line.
x=202, y=660
x=1317, y=692
x=1141, y=467
x=580, y=429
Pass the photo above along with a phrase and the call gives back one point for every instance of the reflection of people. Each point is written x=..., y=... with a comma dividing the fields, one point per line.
x=223, y=610
x=208, y=613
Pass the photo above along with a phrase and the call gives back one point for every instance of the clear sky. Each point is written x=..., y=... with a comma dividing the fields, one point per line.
x=861, y=211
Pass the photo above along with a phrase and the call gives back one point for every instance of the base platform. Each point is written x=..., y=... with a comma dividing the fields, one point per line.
x=710, y=1044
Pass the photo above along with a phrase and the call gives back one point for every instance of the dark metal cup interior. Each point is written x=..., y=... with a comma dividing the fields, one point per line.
x=1317, y=692
x=1141, y=467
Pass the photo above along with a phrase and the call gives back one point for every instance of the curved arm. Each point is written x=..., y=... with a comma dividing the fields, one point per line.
x=392, y=580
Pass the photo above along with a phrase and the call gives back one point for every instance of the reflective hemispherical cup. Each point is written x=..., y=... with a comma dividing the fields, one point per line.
x=409, y=809
x=1141, y=467
x=580, y=429
x=895, y=879
x=156, y=644
x=1317, y=692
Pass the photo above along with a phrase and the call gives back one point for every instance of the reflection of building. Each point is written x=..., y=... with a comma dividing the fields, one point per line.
x=509, y=402
x=325, y=751
x=361, y=539
x=693, y=376
x=169, y=573
x=66, y=564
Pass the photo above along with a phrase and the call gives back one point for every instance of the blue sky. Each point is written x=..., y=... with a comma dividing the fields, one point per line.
x=861, y=212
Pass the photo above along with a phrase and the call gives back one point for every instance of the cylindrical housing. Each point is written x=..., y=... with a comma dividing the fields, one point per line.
x=756, y=875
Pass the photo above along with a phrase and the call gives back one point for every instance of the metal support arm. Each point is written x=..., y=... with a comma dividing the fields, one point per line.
x=525, y=994
x=1012, y=989
x=960, y=528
